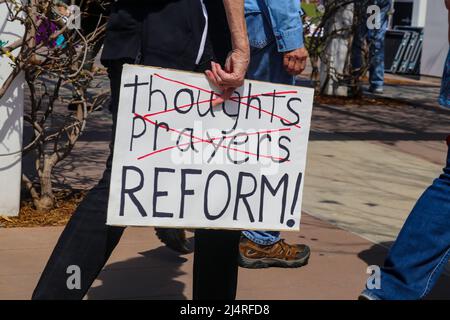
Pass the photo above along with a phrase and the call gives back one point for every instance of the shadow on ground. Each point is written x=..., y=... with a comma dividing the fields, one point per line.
x=83, y=167
x=376, y=254
x=151, y=276
x=378, y=122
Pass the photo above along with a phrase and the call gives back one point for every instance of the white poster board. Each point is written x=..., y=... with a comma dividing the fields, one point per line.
x=179, y=162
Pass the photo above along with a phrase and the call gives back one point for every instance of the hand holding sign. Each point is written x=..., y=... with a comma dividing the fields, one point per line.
x=230, y=78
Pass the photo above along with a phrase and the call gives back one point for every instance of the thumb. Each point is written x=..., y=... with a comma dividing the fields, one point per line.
x=226, y=94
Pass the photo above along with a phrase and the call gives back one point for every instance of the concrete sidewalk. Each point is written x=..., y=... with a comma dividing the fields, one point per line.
x=141, y=268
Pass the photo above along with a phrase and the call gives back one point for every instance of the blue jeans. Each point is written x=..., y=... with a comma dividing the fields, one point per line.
x=266, y=64
x=444, y=98
x=264, y=238
x=422, y=248
x=375, y=39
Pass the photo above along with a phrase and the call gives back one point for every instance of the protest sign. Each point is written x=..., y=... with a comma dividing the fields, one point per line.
x=180, y=162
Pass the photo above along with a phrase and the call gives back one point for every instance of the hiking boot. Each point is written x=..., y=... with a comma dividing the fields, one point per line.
x=280, y=254
x=174, y=239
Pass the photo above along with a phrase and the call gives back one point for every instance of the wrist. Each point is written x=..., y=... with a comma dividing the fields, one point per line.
x=243, y=51
x=241, y=45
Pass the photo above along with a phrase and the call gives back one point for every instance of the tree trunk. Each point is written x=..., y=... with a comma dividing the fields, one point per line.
x=46, y=201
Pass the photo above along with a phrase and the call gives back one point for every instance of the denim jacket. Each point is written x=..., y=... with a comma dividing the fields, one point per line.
x=279, y=20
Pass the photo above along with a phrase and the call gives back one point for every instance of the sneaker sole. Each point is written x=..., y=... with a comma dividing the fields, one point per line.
x=248, y=263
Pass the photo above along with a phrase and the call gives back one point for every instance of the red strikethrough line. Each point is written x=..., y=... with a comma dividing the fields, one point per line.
x=215, y=93
x=200, y=140
x=210, y=100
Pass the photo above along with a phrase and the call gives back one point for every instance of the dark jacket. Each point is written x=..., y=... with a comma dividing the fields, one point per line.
x=164, y=33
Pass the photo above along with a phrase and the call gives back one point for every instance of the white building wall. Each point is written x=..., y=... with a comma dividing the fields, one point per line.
x=420, y=12
x=11, y=123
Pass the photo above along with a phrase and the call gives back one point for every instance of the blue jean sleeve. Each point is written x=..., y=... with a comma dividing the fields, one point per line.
x=285, y=17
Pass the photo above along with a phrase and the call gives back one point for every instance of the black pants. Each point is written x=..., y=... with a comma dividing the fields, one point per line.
x=87, y=241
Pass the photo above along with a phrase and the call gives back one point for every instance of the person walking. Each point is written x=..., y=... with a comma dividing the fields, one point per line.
x=422, y=249
x=169, y=34
x=374, y=35
x=278, y=55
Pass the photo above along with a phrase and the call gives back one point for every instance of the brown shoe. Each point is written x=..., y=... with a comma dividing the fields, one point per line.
x=280, y=254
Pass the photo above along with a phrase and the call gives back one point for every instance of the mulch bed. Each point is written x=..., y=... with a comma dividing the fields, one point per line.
x=358, y=101
x=66, y=203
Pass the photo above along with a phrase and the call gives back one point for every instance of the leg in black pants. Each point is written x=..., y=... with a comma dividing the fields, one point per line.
x=86, y=242
x=216, y=264
x=216, y=251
